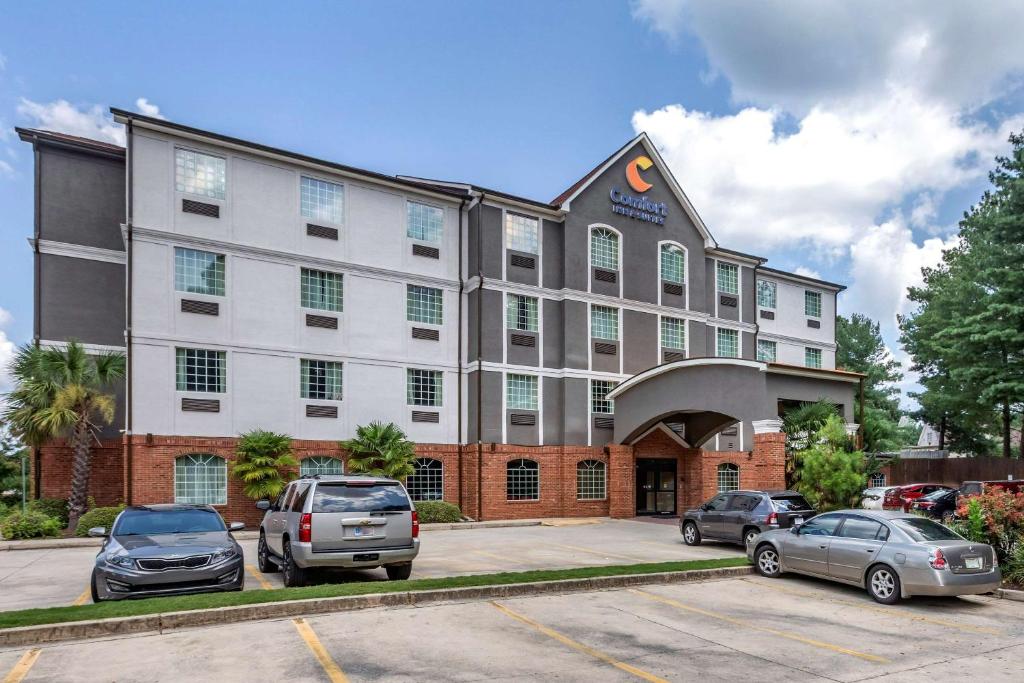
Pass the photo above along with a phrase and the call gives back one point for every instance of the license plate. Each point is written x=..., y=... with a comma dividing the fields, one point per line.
x=362, y=531
x=797, y=520
x=972, y=563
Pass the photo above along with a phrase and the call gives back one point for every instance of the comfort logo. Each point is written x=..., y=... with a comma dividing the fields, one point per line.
x=641, y=163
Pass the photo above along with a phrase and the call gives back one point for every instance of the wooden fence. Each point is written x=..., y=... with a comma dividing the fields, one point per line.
x=952, y=471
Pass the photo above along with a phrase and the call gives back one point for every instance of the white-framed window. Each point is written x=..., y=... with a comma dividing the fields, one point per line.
x=727, y=343
x=424, y=305
x=427, y=479
x=591, y=480
x=522, y=480
x=728, y=278
x=198, y=272
x=877, y=479
x=200, y=479
x=521, y=233
x=321, y=464
x=423, y=387
x=767, y=351
x=673, y=264
x=322, y=290
x=200, y=174
x=673, y=333
x=766, y=294
x=424, y=222
x=521, y=392
x=604, y=249
x=522, y=313
x=812, y=357
x=322, y=200
x=320, y=379
x=604, y=323
x=200, y=370
x=599, y=401
x=728, y=477
x=812, y=304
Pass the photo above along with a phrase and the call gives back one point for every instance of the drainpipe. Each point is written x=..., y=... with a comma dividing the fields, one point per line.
x=129, y=219
x=462, y=284
x=860, y=410
x=479, y=359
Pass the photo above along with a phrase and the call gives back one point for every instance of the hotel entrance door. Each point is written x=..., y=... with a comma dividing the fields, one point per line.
x=655, y=486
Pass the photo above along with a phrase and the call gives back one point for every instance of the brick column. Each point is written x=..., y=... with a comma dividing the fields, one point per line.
x=769, y=454
x=621, y=482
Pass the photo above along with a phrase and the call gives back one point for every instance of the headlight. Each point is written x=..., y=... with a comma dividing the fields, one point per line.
x=222, y=554
x=123, y=561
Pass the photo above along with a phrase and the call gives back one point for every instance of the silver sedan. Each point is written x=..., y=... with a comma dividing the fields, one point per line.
x=891, y=554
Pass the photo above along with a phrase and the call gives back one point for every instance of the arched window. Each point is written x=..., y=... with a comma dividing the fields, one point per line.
x=728, y=477
x=321, y=464
x=673, y=264
x=522, y=480
x=604, y=249
x=878, y=479
x=590, y=480
x=427, y=480
x=200, y=479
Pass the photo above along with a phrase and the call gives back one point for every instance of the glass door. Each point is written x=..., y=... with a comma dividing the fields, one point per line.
x=655, y=486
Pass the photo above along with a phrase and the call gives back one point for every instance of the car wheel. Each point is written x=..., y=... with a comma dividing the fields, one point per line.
x=399, y=572
x=767, y=562
x=294, y=575
x=93, y=589
x=884, y=585
x=263, y=561
x=691, y=536
x=749, y=535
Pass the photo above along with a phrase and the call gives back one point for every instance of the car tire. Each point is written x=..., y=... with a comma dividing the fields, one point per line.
x=399, y=572
x=294, y=575
x=767, y=562
x=883, y=585
x=691, y=535
x=749, y=534
x=93, y=590
x=263, y=561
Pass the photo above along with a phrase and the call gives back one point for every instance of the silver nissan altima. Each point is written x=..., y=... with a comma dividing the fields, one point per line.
x=891, y=554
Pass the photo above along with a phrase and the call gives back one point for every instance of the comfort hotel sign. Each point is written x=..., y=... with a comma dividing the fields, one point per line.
x=638, y=207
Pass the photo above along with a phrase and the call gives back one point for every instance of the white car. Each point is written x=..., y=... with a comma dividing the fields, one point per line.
x=872, y=498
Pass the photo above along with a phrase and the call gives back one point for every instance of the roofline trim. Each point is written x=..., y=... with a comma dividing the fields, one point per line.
x=817, y=373
x=57, y=139
x=786, y=275
x=676, y=365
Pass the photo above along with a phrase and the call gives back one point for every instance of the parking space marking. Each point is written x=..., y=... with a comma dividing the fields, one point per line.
x=21, y=669
x=330, y=667
x=258, y=575
x=599, y=553
x=566, y=640
x=885, y=611
x=746, y=624
x=85, y=597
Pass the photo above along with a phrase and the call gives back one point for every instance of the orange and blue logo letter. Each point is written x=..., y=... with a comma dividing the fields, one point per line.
x=641, y=163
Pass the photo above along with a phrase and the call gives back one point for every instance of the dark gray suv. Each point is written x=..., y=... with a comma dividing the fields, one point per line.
x=739, y=516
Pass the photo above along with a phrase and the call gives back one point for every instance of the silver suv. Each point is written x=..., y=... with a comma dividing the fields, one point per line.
x=341, y=521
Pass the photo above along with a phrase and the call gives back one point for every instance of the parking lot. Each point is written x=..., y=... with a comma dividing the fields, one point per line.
x=791, y=629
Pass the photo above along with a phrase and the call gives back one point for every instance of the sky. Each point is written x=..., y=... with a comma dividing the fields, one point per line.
x=840, y=140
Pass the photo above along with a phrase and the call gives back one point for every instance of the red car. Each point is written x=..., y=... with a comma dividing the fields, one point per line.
x=900, y=497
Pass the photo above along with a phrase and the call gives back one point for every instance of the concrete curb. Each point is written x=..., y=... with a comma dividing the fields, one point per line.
x=1010, y=594
x=169, y=621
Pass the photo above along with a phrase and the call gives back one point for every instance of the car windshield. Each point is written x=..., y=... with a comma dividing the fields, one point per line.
x=789, y=503
x=935, y=495
x=921, y=529
x=143, y=522
x=348, y=498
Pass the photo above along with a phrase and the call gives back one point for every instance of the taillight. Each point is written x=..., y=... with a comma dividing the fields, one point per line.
x=936, y=559
x=773, y=518
x=415, y=524
x=305, y=528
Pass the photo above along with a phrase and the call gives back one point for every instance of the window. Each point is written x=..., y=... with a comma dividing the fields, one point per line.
x=320, y=464
x=673, y=333
x=766, y=294
x=198, y=272
x=423, y=387
x=424, y=223
x=727, y=343
x=521, y=392
x=198, y=173
x=334, y=497
x=320, y=379
x=520, y=233
x=322, y=290
x=812, y=357
x=427, y=480
x=718, y=503
x=822, y=525
x=673, y=264
x=766, y=351
x=200, y=479
x=862, y=528
x=728, y=278
x=201, y=370
x=877, y=479
x=590, y=480
x=522, y=480
x=604, y=249
x=604, y=323
x=522, y=313
x=322, y=201
x=728, y=477
x=423, y=305
x=812, y=304
x=599, y=390
x=744, y=502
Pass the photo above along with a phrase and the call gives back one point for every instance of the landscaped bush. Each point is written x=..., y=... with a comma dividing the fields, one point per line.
x=438, y=511
x=1013, y=569
x=30, y=524
x=52, y=507
x=97, y=517
x=995, y=517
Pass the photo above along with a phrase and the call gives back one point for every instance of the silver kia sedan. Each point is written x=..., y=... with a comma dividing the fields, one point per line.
x=891, y=554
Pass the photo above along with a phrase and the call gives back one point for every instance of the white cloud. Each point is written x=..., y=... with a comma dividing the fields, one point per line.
x=7, y=351
x=6, y=170
x=807, y=272
x=144, y=106
x=92, y=122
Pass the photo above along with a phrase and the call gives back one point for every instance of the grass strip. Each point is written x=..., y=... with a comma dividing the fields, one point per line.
x=132, y=608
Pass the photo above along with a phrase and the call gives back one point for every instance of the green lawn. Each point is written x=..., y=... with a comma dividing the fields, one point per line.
x=130, y=608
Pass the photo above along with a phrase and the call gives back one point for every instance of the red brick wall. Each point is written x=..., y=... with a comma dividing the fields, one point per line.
x=105, y=478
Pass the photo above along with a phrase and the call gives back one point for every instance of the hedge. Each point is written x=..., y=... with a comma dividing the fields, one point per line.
x=438, y=511
x=97, y=517
x=30, y=524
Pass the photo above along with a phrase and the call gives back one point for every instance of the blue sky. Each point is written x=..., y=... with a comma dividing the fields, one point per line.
x=845, y=143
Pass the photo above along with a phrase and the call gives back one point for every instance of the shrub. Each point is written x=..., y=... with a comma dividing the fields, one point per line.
x=829, y=475
x=30, y=524
x=97, y=517
x=381, y=450
x=438, y=511
x=52, y=507
x=995, y=517
x=261, y=460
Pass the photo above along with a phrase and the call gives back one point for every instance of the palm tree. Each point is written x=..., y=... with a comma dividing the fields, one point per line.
x=64, y=392
x=261, y=458
x=380, y=449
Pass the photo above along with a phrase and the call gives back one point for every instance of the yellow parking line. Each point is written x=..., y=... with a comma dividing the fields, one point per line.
x=258, y=575
x=85, y=597
x=501, y=558
x=600, y=553
x=746, y=624
x=333, y=671
x=20, y=670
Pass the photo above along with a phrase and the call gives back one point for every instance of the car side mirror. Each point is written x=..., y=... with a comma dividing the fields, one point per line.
x=98, y=532
x=795, y=529
x=704, y=507
x=236, y=526
x=263, y=504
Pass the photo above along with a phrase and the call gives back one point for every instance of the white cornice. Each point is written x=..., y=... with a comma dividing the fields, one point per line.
x=814, y=373
x=79, y=251
x=771, y=336
x=89, y=348
x=561, y=373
